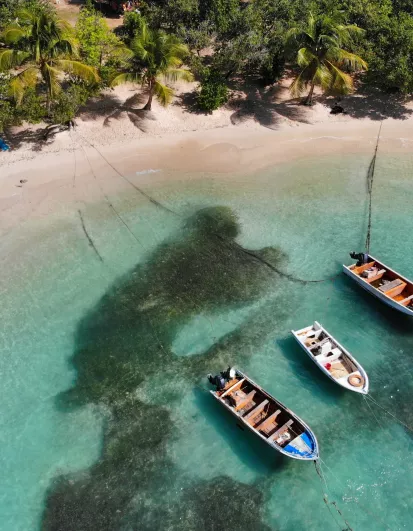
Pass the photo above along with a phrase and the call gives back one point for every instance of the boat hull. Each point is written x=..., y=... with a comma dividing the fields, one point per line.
x=361, y=390
x=377, y=293
x=313, y=457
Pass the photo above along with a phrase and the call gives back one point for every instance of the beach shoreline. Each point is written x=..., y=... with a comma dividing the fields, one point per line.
x=97, y=158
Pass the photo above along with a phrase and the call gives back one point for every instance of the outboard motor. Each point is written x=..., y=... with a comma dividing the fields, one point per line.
x=362, y=258
x=218, y=381
x=222, y=378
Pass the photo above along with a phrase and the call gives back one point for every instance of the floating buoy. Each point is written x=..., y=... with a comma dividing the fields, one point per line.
x=356, y=380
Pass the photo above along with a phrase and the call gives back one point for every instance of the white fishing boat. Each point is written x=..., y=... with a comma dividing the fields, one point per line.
x=386, y=284
x=332, y=358
x=264, y=415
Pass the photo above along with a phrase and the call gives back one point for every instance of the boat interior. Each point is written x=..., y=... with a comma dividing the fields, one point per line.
x=326, y=351
x=386, y=281
x=260, y=412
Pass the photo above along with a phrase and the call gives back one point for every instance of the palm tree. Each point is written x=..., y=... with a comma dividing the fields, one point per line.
x=45, y=48
x=322, y=58
x=154, y=55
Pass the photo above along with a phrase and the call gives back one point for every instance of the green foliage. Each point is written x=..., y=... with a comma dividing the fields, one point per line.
x=132, y=24
x=155, y=55
x=171, y=15
x=221, y=12
x=213, y=94
x=31, y=109
x=9, y=9
x=391, y=57
x=7, y=115
x=68, y=103
x=98, y=44
x=320, y=55
x=47, y=48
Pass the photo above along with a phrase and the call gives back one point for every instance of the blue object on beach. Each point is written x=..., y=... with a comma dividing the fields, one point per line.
x=4, y=146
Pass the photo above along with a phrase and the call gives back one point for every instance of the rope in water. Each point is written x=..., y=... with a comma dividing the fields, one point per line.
x=389, y=413
x=325, y=499
x=226, y=241
x=370, y=179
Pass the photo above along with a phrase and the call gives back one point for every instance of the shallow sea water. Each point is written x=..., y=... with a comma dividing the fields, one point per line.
x=106, y=419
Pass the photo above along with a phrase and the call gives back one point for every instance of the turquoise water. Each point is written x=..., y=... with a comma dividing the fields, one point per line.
x=106, y=419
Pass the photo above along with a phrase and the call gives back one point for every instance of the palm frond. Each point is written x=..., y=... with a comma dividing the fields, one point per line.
x=127, y=77
x=297, y=87
x=76, y=68
x=122, y=53
x=350, y=60
x=340, y=81
x=163, y=93
x=11, y=58
x=323, y=77
x=51, y=76
x=28, y=78
x=346, y=34
x=175, y=74
x=305, y=57
x=12, y=34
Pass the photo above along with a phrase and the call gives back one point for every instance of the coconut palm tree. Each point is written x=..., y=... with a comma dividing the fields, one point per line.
x=42, y=49
x=155, y=55
x=322, y=57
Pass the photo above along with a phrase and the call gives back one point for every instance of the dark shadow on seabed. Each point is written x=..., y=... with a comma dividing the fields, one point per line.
x=125, y=340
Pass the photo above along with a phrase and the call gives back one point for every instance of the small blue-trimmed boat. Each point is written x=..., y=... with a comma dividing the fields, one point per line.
x=264, y=415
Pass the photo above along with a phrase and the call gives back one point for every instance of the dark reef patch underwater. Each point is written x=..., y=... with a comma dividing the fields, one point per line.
x=124, y=342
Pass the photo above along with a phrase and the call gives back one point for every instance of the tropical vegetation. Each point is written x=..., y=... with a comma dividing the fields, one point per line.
x=156, y=58
x=48, y=68
x=39, y=49
x=321, y=58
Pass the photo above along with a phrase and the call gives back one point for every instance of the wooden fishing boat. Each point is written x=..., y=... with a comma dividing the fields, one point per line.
x=265, y=416
x=387, y=285
x=332, y=358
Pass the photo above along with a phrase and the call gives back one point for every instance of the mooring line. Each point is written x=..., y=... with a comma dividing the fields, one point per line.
x=370, y=179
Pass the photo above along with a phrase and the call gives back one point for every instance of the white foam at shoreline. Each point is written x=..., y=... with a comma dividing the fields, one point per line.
x=144, y=172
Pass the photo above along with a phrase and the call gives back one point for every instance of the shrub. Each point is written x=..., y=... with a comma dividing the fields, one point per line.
x=68, y=103
x=32, y=108
x=213, y=94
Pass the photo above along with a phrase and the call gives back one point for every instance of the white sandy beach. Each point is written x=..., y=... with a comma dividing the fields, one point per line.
x=258, y=130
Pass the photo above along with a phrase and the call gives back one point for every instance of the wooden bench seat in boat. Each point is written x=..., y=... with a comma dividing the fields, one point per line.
x=230, y=388
x=281, y=430
x=242, y=402
x=396, y=290
x=406, y=301
x=269, y=423
x=376, y=277
x=320, y=343
x=390, y=285
x=358, y=270
x=250, y=417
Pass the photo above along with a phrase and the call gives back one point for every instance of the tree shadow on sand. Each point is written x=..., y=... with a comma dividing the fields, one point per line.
x=264, y=105
x=375, y=105
x=112, y=108
x=37, y=139
x=125, y=341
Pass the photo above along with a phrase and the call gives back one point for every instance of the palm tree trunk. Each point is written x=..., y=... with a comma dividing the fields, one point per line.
x=309, y=99
x=148, y=105
x=48, y=103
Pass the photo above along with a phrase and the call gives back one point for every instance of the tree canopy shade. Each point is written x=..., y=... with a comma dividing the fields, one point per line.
x=97, y=42
x=155, y=55
x=321, y=57
x=45, y=47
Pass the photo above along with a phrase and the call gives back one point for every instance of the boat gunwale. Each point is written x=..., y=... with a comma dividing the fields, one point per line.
x=272, y=444
x=361, y=390
x=375, y=291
